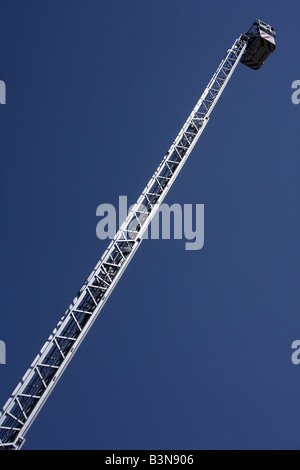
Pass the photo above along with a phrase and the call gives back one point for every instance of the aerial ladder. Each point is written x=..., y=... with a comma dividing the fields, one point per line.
x=252, y=49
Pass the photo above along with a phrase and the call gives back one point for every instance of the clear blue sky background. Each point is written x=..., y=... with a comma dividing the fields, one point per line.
x=193, y=349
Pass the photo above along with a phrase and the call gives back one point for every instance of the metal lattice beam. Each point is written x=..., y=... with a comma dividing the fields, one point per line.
x=43, y=374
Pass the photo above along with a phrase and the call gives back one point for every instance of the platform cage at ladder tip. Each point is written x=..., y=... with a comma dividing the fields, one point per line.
x=261, y=43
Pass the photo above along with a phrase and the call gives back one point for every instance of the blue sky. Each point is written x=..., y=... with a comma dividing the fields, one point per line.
x=193, y=349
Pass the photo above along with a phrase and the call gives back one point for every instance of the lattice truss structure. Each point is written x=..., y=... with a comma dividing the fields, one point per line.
x=43, y=374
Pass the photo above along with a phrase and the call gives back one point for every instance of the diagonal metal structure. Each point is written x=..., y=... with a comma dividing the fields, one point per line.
x=35, y=387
